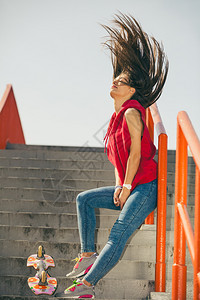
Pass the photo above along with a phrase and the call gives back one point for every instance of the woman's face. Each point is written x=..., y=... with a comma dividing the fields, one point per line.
x=120, y=88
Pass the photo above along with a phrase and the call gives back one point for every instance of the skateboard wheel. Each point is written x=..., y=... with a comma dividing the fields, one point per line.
x=43, y=277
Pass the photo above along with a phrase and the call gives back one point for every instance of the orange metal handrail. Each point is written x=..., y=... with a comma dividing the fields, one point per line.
x=10, y=125
x=154, y=120
x=186, y=136
x=150, y=124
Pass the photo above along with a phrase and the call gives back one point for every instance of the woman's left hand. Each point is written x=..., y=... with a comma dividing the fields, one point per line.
x=125, y=193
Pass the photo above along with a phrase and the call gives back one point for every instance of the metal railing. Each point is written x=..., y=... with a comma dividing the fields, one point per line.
x=154, y=120
x=186, y=136
x=10, y=125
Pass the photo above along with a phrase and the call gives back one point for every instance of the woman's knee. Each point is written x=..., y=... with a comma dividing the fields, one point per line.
x=81, y=198
x=121, y=231
x=117, y=231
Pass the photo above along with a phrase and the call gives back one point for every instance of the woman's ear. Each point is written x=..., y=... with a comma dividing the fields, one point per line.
x=132, y=90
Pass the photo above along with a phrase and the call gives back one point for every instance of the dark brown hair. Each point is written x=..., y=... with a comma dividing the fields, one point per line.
x=138, y=55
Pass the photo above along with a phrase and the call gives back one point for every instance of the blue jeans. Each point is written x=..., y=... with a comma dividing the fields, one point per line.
x=141, y=202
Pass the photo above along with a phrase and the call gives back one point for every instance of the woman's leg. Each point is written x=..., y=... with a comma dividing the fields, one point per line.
x=139, y=205
x=86, y=203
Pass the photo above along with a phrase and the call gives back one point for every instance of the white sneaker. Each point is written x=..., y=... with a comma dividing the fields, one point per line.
x=77, y=291
x=82, y=266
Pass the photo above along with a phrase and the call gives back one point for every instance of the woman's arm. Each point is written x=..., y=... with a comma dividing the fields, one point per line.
x=118, y=189
x=135, y=126
x=117, y=180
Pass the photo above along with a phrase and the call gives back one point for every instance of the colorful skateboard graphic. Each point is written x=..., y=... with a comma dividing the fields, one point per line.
x=42, y=283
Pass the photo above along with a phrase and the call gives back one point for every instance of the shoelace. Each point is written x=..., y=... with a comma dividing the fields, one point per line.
x=76, y=259
x=75, y=283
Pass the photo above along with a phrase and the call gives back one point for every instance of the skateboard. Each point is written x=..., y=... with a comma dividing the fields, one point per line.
x=42, y=283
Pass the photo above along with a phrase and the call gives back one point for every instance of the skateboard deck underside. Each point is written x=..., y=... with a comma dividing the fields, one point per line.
x=37, y=289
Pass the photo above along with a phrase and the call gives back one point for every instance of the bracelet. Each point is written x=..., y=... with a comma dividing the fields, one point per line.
x=118, y=187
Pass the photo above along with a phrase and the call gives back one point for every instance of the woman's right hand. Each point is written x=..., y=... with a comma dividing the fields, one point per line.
x=116, y=196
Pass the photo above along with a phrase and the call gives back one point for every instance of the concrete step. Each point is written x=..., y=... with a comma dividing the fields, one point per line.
x=146, y=235
x=46, y=152
x=43, y=152
x=106, y=288
x=57, y=149
x=29, y=206
x=60, y=220
x=24, y=248
x=56, y=180
x=65, y=149
x=83, y=169
x=57, y=174
x=14, y=171
x=56, y=196
x=53, y=183
x=51, y=196
x=15, y=174
x=64, y=164
x=70, y=250
x=124, y=269
x=160, y=296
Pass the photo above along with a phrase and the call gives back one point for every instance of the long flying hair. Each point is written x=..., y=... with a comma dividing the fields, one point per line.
x=141, y=57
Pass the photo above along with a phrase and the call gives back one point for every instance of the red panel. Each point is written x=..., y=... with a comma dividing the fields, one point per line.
x=10, y=125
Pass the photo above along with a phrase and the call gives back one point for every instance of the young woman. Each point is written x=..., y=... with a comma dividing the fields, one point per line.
x=140, y=70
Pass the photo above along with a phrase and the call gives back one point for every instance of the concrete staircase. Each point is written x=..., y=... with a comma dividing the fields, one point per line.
x=38, y=188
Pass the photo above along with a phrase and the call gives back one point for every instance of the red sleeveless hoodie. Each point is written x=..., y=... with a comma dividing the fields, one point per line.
x=119, y=142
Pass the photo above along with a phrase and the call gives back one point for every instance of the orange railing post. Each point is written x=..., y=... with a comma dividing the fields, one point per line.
x=160, y=270
x=179, y=269
x=183, y=231
x=150, y=124
x=154, y=120
x=197, y=237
